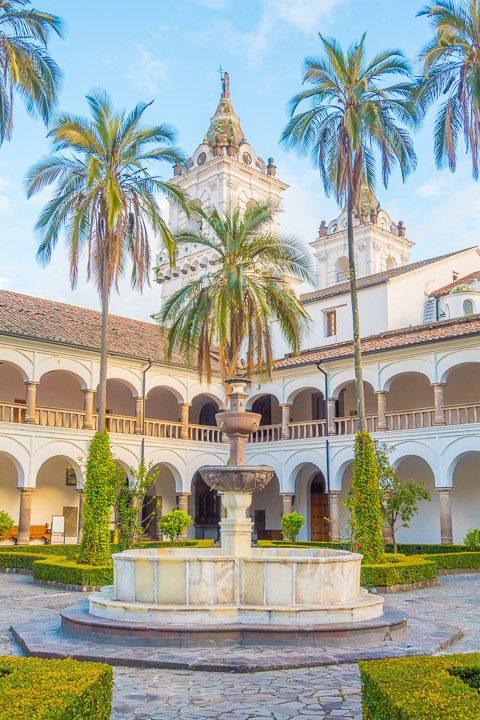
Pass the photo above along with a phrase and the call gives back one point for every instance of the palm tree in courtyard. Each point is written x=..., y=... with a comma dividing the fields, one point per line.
x=451, y=68
x=231, y=309
x=353, y=113
x=104, y=199
x=26, y=67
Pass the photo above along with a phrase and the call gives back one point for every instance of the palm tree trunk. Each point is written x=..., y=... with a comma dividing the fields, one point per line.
x=102, y=388
x=357, y=351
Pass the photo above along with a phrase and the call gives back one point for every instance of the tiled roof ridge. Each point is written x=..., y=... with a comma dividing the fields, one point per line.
x=425, y=332
x=376, y=278
x=460, y=281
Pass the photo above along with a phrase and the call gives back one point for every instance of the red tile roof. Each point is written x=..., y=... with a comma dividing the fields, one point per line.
x=57, y=322
x=376, y=279
x=466, y=280
x=419, y=334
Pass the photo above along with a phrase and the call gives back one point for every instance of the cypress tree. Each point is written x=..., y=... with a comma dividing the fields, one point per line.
x=98, y=490
x=366, y=499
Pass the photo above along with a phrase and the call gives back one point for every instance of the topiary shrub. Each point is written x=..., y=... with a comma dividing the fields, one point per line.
x=365, y=502
x=472, y=540
x=173, y=524
x=100, y=474
x=6, y=523
x=291, y=525
x=37, y=689
x=421, y=688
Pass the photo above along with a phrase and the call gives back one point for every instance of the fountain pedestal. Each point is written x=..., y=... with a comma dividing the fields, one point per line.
x=236, y=528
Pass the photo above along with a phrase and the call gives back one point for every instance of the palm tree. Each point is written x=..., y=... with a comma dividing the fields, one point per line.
x=353, y=112
x=104, y=199
x=232, y=308
x=451, y=68
x=26, y=67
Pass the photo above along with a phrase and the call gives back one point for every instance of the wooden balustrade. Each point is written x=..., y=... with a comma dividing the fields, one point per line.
x=163, y=429
x=266, y=433
x=202, y=433
x=410, y=419
x=311, y=429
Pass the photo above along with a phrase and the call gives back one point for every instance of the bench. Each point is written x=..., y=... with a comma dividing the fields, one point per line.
x=37, y=532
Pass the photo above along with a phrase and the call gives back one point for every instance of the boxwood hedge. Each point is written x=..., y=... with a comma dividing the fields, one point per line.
x=410, y=570
x=35, y=689
x=449, y=561
x=65, y=571
x=421, y=688
x=21, y=560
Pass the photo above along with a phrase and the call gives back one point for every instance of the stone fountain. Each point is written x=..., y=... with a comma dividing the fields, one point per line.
x=236, y=593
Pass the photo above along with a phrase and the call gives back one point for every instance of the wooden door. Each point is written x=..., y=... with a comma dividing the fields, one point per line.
x=319, y=509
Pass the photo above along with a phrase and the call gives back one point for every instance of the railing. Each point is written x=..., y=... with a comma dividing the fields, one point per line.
x=349, y=425
x=311, y=429
x=163, y=429
x=202, y=433
x=462, y=414
x=123, y=424
x=266, y=433
x=49, y=417
x=12, y=412
x=410, y=419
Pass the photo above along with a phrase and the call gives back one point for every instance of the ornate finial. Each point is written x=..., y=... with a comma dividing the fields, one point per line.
x=240, y=369
x=225, y=85
x=322, y=230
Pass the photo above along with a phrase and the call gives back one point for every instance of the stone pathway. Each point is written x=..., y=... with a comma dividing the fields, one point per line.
x=295, y=694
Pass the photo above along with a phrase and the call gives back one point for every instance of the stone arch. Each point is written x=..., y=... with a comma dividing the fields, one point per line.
x=269, y=389
x=175, y=386
x=448, y=363
x=273, y=460
x=12, y=385
x=341, y=268
x=295, y=387
x=73, y=453
x=67, y=365
x=13, y=458
x=416, y=461
x=174, y=461
x=454, y=452
x=410, y=448
x=409, y=390
x=61, y=388
x=299, y=460
x=12, y=478
x=465, y=494
x=394, y=370
x=126, y=457
x=18, y=361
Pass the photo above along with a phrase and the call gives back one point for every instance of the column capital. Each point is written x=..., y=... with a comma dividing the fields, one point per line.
x=88, y=390
x=381, y=392
x=183, y=494
x=438, y=384
x=444, y=489
x=32, y=383
x=286, y=405
x=334, y=492
x=332, y=399
x=26, y=489
x=185, y=404
x=138, y=397
x=287, y=494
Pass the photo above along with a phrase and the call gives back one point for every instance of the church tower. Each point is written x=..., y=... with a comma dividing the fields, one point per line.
x=380, y=244
x=223, y=167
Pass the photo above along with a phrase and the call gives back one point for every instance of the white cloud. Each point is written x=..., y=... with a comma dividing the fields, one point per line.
x=212, y=4
x=147, y=72
x=305, y=15
x=5, y=183
x=436, y=186
x=4, y=283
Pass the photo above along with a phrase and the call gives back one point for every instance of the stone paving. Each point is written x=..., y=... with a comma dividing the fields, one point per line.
x=295, y=694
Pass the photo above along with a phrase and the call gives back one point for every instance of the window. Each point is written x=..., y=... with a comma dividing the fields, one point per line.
x=468, y=307
x=455, y=277
x=331, y=321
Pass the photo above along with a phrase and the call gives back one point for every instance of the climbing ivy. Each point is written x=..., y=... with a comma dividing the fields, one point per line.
x=366, y=500
x=100, y=471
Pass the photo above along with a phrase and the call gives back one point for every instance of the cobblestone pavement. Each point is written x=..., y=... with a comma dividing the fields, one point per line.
x=297, y=694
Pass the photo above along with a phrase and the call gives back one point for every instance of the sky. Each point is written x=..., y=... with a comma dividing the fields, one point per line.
x=169, y=52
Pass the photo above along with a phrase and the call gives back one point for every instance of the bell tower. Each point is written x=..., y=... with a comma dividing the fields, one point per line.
x=223, y=167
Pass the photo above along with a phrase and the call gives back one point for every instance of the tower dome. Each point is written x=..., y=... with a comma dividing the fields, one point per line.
x=225, y=130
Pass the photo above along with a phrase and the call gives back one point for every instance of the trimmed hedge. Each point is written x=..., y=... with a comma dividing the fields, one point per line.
x=303, y=543
x=36, y=689
x=411, y=549
x=70, y=573
x=70, y=551
x=412, y=570
x=421, y=688
x=22, y=560
x=449, y=561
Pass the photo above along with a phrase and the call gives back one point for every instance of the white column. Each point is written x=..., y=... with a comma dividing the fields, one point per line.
x=445, y=516
x=332, y=429
x=139, y=415
x=286, y=409
x=184, y=407
x=334, y=515
x=382, y=408
x=31, y=400
x=88, y=409
x=438, y=398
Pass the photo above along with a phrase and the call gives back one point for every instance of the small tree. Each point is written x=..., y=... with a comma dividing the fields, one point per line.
x=472, y=540
x=128, y=503
x=99, y=478
x=291, y=525
x=366, y=506
x=173, y=524
x=6, y=523
x=398, y=499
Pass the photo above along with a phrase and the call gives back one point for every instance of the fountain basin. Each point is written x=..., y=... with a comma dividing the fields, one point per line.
x=271, y=586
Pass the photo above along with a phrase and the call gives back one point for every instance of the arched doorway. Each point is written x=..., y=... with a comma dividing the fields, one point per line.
x=207, y=511
x=319, y=509
x=207, y=414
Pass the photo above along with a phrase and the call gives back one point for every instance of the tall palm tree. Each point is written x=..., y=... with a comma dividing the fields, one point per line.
x=26, y=66
x=451, y=68
x=231, y=309
x=353, y=112
x=104, y=199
